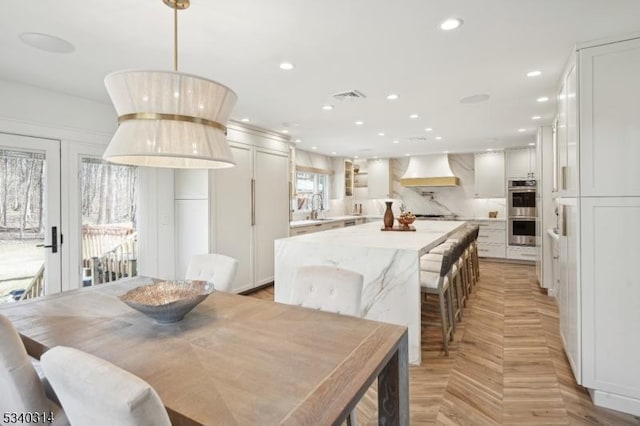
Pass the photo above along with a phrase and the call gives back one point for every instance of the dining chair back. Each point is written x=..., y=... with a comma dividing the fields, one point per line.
x=95, y=392
x=328, y=288
x=20, y=386
x=218, y=269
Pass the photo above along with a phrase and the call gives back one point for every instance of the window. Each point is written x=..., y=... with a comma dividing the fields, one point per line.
x=307, y=185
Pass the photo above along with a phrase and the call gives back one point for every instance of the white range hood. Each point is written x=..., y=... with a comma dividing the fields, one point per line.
x=429, y=171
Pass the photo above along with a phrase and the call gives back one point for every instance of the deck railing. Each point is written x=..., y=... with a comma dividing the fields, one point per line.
x=119, y=262
x=36, y=286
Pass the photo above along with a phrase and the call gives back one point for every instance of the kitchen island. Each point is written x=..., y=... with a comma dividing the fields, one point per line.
x=389, y=262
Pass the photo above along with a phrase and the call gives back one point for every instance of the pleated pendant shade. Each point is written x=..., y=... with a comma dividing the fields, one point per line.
x=169, y=119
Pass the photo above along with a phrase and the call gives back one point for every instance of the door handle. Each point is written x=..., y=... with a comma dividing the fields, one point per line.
x=564, y=177
x=54, y=240
x=564, y=221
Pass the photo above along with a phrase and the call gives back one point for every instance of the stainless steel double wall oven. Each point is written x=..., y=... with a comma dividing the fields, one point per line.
x=522, y=212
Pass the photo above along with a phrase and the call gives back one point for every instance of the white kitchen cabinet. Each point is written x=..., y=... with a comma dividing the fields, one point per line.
x=492, y=238
x=489, y=175
x=555, y=266
x=569, y=289
x=250, y=205
x=522, y=253
x=379, y=178
x=567, y=135
x=599, y=211
x=611, y=296
x=609, y=124
x=521, y=163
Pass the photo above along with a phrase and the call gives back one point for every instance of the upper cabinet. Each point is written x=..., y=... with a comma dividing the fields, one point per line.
x=379, y=178
x=610, y=119
x=489, y=175
x=567, y=135
x=521, y=163
x=348, y=178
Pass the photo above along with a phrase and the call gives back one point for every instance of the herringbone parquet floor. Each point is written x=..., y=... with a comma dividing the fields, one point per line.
x=506, y=365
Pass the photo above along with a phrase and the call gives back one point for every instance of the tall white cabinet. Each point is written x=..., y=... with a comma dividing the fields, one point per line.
x=598, y=182
x=250, y=206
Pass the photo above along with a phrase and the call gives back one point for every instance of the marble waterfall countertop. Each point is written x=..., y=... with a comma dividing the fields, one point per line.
x=428, y=234
x=388, y=260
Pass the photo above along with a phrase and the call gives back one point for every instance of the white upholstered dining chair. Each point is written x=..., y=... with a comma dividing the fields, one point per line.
x=21, y=390
x=329, y=289
x=95, y=392
x=218, y=269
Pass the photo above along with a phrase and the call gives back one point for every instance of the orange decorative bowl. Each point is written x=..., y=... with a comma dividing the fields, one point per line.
x=406, y=221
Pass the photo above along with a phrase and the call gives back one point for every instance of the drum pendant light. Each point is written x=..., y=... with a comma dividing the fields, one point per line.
x=169, y=119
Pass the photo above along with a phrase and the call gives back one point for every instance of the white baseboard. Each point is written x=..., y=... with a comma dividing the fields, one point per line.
x=615, y=402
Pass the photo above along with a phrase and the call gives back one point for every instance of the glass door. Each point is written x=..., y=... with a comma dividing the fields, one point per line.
x=30, y=233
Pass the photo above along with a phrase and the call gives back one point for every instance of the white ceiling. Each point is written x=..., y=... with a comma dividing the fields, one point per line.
x=377, y=47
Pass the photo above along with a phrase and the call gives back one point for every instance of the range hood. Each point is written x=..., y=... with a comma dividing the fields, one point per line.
x=429, y=171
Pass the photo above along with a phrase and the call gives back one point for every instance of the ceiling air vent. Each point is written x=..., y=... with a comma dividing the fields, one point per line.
x=351, y=95
x=417, y=139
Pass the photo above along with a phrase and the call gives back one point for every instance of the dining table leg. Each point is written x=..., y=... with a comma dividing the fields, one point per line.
x=393, y=388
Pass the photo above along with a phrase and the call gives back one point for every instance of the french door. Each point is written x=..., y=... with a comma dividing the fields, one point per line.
x=30, y=212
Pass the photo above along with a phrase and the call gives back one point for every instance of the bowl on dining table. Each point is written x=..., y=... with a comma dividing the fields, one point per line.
x=167, y=302
x=405, y=221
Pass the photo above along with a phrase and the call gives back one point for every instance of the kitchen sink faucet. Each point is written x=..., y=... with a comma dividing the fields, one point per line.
x=314, y=211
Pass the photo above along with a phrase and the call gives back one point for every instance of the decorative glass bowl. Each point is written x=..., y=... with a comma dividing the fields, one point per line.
x=405, y=221
x=167, y=301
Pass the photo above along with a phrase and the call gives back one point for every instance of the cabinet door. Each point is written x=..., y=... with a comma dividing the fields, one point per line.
x=611, y=294
x=518, y=164
x=571, y=171
x=533, y=167
x=609, y=119
x=231, y=198
x=489, y=175
x=379, y=180
x=570, y=314
x=271, y=210
x=561, y=140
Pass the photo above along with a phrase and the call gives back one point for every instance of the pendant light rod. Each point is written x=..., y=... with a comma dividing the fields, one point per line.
x=175, y=38
x=176, y=5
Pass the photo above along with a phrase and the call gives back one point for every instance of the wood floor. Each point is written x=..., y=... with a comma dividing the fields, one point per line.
x=506, y=365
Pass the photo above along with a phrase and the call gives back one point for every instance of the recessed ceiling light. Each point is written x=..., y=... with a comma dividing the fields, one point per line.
x=533, y=73
x=380, y=134
x=536, y=117
x=314, y=147
x=244, y=120
x=333, y=153
x=298, y=140
x=542, y=99
x=47, y=42
x=489, y=149
x=428, y=129
x=396, y=141
x=407, y=154
x=438, y=138
x=375, y=158
x=355, y=156
x=327, y=107
x=392, y=97
x=450, y=24
x=445, y=152
x=285, y=131
x=532, y=144
x=413, y=116
x=359, y=123
x=522, y=130
x=286, y=66
x=475, y=99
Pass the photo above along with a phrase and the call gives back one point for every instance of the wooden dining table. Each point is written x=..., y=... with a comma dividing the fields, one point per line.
x=233, y=360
